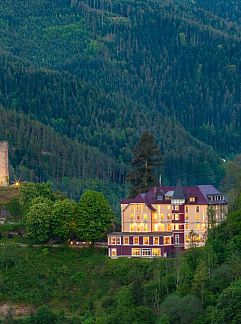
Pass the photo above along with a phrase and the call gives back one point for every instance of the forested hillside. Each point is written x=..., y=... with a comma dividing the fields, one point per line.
x=88, y=115
x=200, y=286
x=102, y=72
x=37, y=153
x=229, y=10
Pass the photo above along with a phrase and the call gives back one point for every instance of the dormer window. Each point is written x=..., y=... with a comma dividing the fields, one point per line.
x=159, y=197
x=192, y=199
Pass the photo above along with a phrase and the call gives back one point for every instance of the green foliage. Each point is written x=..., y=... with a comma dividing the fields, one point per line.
x=15, y=209
x=44, y=315
x=63, y=218
x=38, y=221
x=80, y=281
x=112, y=191
x=8, y=255
x=15, y=227
x=94, y=216
x=30, y=191
x=228, y=308
x=181, y=309
x=166, y=82
x=146, y=165
x=46, y=155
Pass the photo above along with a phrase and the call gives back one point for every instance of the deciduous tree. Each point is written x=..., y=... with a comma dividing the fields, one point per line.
x=63, y=218
x=38, y=221
x=94, y=216
x=30, y=191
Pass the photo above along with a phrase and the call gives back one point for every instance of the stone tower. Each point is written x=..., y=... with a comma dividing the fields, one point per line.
x=4, y=173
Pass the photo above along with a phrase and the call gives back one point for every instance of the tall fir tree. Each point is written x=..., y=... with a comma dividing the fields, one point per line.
x=146, y=165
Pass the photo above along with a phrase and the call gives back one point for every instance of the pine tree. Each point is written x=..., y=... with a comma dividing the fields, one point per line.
x=146, y=165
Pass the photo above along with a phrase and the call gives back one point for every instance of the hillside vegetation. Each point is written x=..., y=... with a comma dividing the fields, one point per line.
x=178, y=58
x=88, y=115
x=82, y=285
x=102, y=72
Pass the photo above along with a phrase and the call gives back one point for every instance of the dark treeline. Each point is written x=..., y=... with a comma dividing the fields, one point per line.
x=37, y=153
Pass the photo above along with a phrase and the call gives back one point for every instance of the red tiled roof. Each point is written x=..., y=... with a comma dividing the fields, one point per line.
x=199, y=192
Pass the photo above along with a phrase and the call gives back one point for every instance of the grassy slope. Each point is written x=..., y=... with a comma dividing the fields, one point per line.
x=72, y=280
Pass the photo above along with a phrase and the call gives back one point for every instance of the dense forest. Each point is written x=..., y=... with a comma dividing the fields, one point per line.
x=103, y=72
x=86, y=114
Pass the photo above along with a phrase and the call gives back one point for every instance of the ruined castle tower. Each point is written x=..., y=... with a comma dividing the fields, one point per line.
x=4, y=173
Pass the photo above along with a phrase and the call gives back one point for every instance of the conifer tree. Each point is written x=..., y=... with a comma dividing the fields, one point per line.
x=146, y=165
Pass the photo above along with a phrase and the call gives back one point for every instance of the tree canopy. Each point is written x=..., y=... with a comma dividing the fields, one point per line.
x=146, y=165
x=95, y=216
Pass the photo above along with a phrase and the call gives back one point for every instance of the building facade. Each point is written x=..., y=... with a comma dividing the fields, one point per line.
x=4, y=172
x=166, y=220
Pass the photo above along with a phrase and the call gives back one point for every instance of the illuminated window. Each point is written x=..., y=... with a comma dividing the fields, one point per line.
x=192, y=199
x=187, y=238
x=186, y=226
x=155, y=215
x=131, y=217
x=126, y=240
x=197, y=218
x=168, y=207
x=136, y=252
x=156, y=241
x=169, y=227
x=146, y=240
x=131, y=227
x=186, y=217
x=156, y=227
x=167, y=240
x=176, y=216
x=146, y=252
x=186, y=209
x=156, y=252
x=176, y=207
x=145, y=217
x=197, y=226
x=162, y=227
x=169, y=216
x=176, y=239
x=136, y=240
x=197, y=209
x=109, y=240
x=138, y=228
x=113, y=240
x=204, y=225
x=162, y=216
x=118, y=241
x=113, y=253
x=145, y=228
